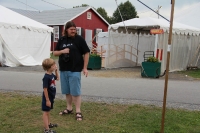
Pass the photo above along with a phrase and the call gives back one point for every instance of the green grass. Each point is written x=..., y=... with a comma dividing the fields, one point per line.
x=53, y=57
x=22, y=114
x=192, y=73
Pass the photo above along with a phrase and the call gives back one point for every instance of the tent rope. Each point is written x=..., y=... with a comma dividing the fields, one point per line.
x=121, y=16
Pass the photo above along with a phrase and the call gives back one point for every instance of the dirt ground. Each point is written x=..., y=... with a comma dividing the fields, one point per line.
x=116, y=73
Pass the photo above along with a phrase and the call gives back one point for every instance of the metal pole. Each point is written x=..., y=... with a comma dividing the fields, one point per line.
x=121, y=16
x=159, y=10
x=153, y=10
x=167, y=66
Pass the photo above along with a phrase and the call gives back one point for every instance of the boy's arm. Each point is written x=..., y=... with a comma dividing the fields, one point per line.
x=48, y=103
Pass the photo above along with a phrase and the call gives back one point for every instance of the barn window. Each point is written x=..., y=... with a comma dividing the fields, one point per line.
x=78, y=30
x=55, y=33
x=96, y=32
x=89, y=15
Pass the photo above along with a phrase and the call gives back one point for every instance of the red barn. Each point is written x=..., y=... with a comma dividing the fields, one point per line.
x=88, y=21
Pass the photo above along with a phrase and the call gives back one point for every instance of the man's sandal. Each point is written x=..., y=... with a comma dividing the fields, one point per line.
x=66, y=111
x=53, y=125
x=79, y=116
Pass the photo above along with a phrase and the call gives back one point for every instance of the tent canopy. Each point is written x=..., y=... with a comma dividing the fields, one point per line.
x=150, y=23
x=124, y=49
x=11, y=18
x=23, y=41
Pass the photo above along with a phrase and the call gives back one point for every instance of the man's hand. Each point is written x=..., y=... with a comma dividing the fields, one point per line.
x=65, y=51
x=85, y=72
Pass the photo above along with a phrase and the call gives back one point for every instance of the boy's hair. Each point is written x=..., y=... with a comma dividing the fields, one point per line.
x=47, y=63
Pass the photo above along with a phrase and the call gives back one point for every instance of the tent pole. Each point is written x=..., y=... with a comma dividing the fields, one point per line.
x=156, y=45
x=167, y=66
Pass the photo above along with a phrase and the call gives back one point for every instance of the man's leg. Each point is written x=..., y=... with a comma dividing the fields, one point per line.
x=69, y=101
x=77, y=102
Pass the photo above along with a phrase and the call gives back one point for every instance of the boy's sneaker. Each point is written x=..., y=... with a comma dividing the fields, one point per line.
x=53, y=125
x=49, y=131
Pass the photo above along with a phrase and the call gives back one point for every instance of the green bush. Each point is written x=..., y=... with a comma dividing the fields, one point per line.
x=152, y=59
x=94, y=55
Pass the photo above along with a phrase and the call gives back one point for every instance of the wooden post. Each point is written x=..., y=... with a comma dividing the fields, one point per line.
x=116, y=52
x=131, y=53
x=101, y=51
x=167, y=66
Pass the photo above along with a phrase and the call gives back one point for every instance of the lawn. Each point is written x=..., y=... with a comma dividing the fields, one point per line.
x=22, y=114
x=53, y=57
x=193, y=73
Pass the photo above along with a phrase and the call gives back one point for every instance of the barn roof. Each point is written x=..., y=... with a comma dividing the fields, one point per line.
x=56, y=17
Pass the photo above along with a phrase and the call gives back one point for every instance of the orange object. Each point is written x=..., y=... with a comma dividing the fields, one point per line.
x=156, y=31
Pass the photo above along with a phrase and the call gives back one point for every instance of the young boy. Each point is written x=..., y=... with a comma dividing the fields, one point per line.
x=49, y=92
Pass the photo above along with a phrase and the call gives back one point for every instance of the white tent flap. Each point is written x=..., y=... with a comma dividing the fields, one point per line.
x=23, y=41
x=127, y=49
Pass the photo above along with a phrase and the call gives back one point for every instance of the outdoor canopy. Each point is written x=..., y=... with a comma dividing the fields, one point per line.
x=148, y=23
x=23, y=41
x=128, y=40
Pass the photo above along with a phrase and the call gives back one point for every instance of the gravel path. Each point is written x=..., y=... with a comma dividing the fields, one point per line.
x=108, y=73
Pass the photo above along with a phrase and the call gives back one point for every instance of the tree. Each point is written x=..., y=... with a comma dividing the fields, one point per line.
x=83, y=5
x=103, y=13
x=127, y=11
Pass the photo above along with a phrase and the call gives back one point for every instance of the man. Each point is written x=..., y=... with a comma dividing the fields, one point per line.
x=73, y=55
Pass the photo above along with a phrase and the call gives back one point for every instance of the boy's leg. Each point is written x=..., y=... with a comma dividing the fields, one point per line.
x=46, y=119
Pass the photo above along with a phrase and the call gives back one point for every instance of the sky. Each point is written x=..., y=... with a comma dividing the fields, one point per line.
x=109, y=5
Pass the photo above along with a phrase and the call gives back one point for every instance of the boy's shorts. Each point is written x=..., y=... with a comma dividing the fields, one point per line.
x=44, y=107
x=70, y=83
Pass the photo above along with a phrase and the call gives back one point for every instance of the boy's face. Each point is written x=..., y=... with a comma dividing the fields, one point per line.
x=53, y=67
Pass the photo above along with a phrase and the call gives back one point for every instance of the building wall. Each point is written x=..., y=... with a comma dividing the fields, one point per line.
x=91, y=24
x=53, y=44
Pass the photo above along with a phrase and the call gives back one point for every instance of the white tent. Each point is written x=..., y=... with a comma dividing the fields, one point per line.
x=189, y=16
x=126, y=46
x=23, y=41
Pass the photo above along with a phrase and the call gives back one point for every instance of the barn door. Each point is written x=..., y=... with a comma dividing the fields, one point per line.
x=88, y=37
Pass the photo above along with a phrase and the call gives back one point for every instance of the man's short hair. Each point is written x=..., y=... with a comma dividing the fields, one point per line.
x=47, y=63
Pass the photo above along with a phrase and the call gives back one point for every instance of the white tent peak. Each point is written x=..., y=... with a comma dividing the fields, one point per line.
x=19, y=20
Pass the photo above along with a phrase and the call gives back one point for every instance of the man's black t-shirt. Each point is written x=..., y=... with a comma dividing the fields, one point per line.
x=78, y=48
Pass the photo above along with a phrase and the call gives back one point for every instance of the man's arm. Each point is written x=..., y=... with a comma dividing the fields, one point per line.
x=86, y=59
x=58, y=53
